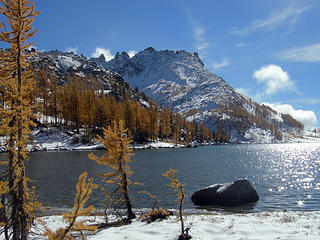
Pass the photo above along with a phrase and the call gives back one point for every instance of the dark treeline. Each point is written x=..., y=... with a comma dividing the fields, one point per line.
x=85, y=104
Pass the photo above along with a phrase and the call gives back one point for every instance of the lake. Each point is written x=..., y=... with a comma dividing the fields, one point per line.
x=286, y=176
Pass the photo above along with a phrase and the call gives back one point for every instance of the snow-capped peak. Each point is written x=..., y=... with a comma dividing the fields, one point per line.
x=177, y=79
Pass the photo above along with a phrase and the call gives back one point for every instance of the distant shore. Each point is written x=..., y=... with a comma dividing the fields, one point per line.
x=54, y=139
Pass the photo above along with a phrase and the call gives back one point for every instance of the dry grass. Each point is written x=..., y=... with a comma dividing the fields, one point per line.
x=156, y=214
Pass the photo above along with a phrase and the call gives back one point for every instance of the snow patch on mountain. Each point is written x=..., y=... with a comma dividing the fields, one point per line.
x=67, y=62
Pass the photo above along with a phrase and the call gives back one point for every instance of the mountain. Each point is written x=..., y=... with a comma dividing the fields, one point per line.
x=67, y=65
x=175, y=79
x=180, y=80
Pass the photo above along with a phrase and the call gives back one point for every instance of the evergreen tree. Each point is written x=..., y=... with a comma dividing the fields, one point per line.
x=177, y=128
x=55, y=98
x=73, y=102
x=154, y=121
x=17, y=81
x=117, y=157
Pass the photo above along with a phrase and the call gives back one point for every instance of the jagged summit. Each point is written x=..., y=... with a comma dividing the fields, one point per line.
x=101, y=58
x=177, y=79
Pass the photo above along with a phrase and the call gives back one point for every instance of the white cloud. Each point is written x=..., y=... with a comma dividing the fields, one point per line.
x=106, y=52
x=274, y=78
x=285, y=17
x=307, y=118
x=243, y=91
x=310, y=53
x=224, y=63
x=131, y=53
x=32, y=46
x=199, y=33
x=72, y=49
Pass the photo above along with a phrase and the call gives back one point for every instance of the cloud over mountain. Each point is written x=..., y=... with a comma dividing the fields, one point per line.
x=308, y=118
x=274, y=79
x=106, y=52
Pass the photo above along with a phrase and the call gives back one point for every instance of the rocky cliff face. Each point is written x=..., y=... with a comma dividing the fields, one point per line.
x=175, y=79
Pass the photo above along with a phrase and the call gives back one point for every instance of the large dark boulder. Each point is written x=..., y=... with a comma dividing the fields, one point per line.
x=231, y=194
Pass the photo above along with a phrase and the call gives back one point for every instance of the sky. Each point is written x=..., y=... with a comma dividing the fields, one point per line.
x=268, y=50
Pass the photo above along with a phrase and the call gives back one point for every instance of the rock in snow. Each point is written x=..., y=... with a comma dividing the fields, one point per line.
x=229, y=194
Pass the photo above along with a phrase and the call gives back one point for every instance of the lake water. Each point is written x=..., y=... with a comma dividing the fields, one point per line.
x=286, y=176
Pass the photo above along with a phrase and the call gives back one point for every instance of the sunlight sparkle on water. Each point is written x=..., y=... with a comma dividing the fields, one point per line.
x=300, y=203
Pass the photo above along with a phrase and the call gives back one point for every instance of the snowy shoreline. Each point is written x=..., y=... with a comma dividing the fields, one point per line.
x=263, y=225
x=55, y=139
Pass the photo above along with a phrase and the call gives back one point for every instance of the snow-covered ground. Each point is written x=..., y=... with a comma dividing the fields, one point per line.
x=56, y=139
x=258, y=135
x=212, y=226
x=158, y=144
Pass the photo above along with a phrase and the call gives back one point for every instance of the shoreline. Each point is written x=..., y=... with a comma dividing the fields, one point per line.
x=55, y=140
x=139, y=146
x=219, y=226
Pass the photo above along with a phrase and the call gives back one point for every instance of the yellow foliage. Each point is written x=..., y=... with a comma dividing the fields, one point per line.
x=84, y=190
x=178, y=187
x=118, y=154
x=117, y=157
x=3, y=190
x=175, y=184
x=16, y=110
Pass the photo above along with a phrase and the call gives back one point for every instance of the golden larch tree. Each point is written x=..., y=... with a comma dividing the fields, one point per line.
x=84, y=190
x=117, y=157
x=16, y=83
x=178, y=187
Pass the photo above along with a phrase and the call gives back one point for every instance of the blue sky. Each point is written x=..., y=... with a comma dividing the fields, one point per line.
x=267, y=49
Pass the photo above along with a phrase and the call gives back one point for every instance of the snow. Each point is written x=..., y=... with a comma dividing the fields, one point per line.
x=258, y=135
x=175, y=79
x=211, y=226
x=304, y=137
x=56, y=139
x=157, y=144
x=144, y=103
x=67, y=62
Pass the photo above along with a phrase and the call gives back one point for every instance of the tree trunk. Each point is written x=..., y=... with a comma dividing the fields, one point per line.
x=131, y=215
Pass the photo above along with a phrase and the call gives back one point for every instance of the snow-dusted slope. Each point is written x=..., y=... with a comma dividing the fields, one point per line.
x=175, y=79
x=179, y=79
x=67, y=65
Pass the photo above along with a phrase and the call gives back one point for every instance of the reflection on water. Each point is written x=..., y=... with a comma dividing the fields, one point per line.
x=286, y=176
x=244, y=208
